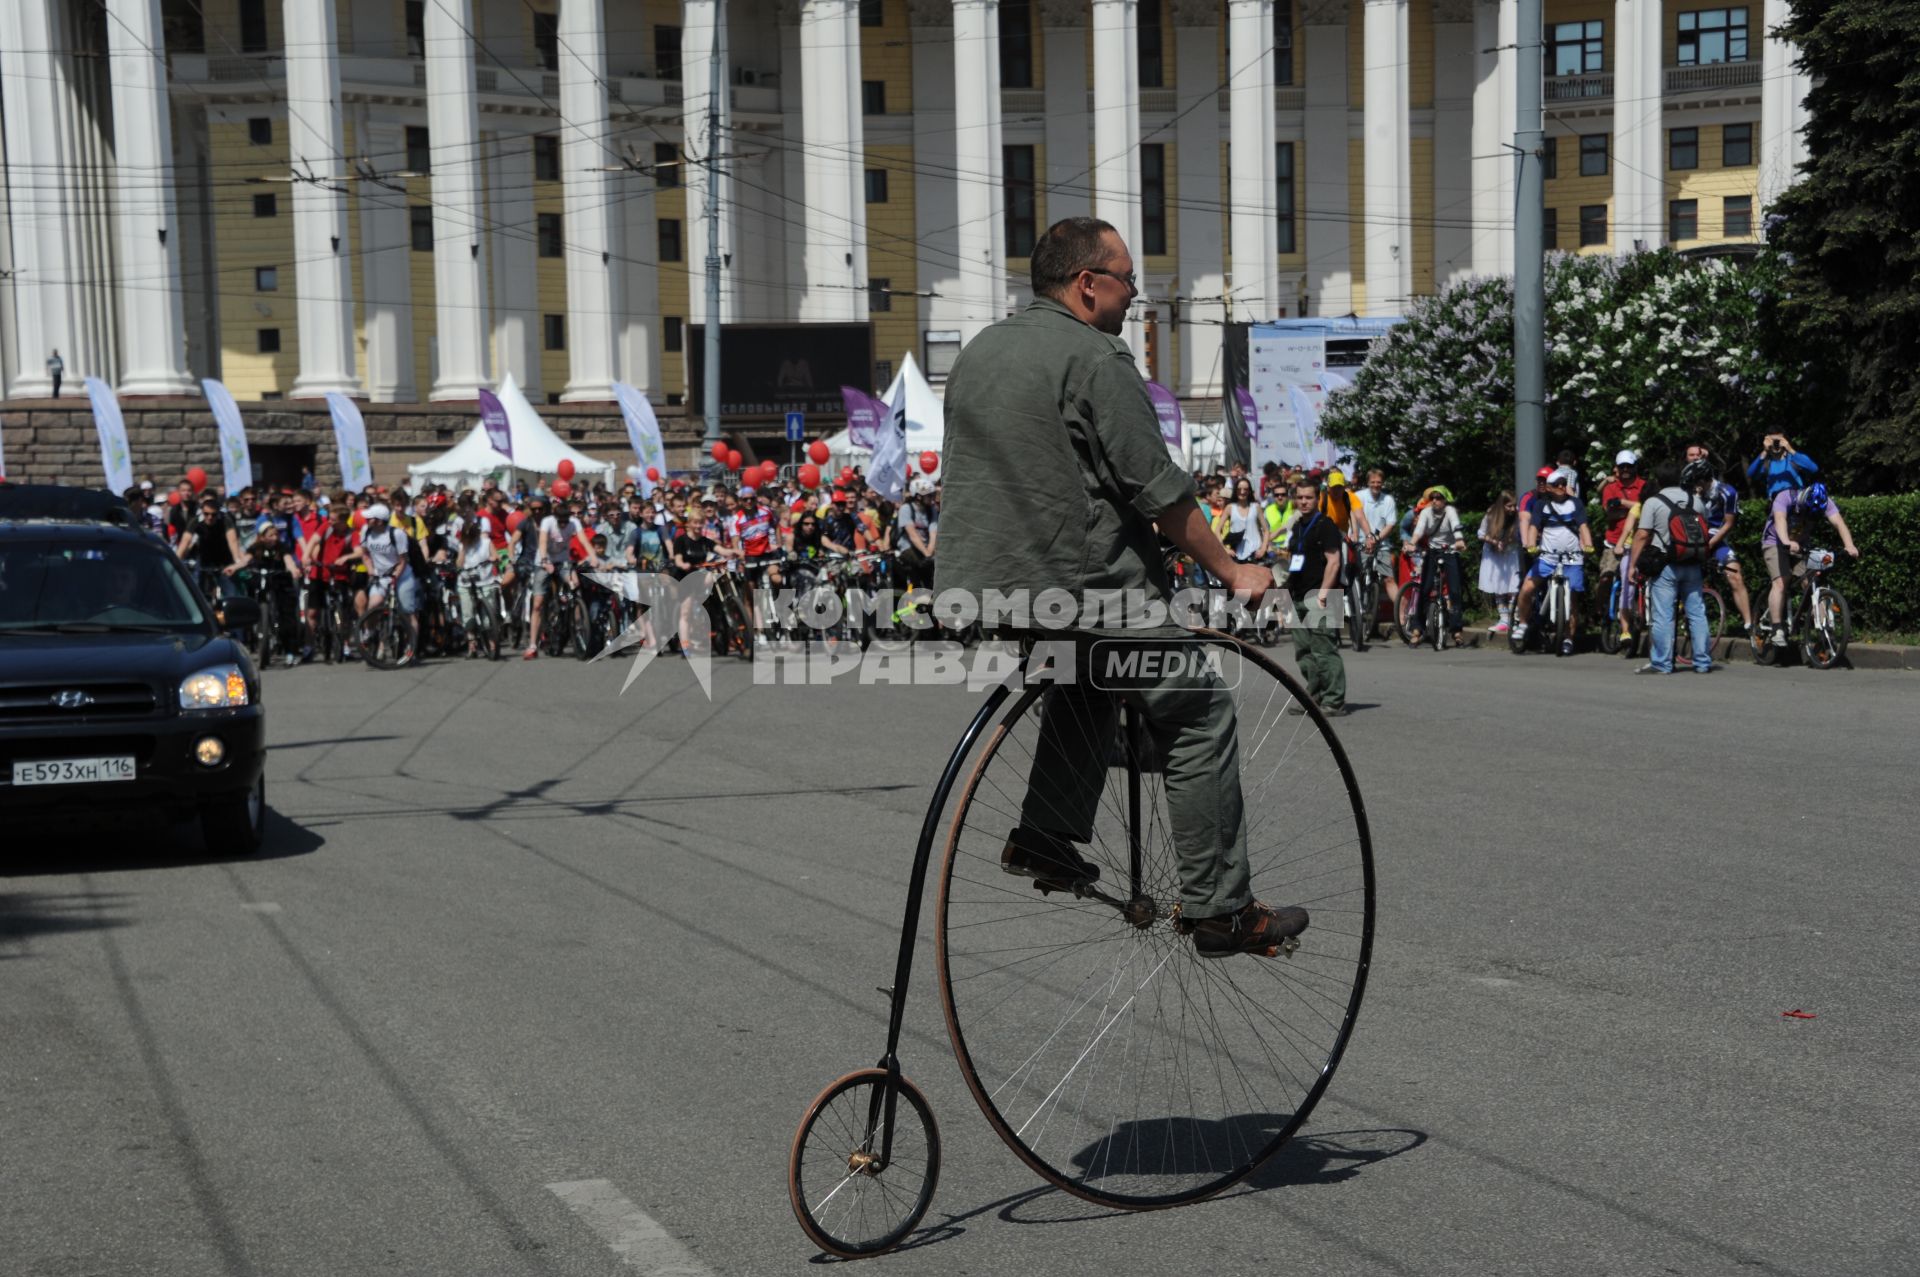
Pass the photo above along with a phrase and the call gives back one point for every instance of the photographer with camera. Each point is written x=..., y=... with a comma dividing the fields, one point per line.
x=1779, y=468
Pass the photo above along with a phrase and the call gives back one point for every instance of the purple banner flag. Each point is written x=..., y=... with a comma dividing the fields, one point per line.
x=1168, y=409
x=493, y=415
x=1249, y=412
x=864, y=415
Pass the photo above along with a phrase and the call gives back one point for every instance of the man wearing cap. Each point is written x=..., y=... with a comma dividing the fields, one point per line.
x=1557, y=536
x=1618, y=496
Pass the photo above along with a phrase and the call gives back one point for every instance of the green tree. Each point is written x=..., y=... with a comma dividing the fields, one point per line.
x=1851, y=226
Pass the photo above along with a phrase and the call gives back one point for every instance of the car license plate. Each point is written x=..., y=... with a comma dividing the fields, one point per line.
x=73, y=771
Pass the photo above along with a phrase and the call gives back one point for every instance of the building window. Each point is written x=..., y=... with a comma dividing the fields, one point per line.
x=1712, y=35
x=1683, y=148
x=546, y=39
x=1576, y=48
x=1593, y=155
x=183, y=27
x=1151, y=44
x=943, y=347
x=266, y=279
x=876, y=186
x=1593, y=225
x=1153, y=199
x=1550, y=157
x=550, y=235
x=1283, y=42
x=666, y=52
x=1016, y=163
x=873, y=13
x=1016, y=44
x=666, y=164
x=267, y=340
x=1550, y=229
x=1736, y=212
x=671, y=334
x=420, y=223
x=669, y=239
x=416, y=28
x=879, y=294
x=1283, y=197
x=1736, y=145
x=554, y=330
x=883, y=372
x=253, y=30
x=260, y=130
x=1683, y=220
x=546, y=157
x=419, y=150
x=873, y=97
x=266, y=206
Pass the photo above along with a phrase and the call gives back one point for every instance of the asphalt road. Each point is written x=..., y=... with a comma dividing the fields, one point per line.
x=537, y=977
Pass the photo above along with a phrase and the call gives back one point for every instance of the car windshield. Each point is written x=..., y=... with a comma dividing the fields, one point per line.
x=112, y=585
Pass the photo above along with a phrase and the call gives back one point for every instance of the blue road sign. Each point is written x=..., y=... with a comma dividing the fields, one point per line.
x=796, y=426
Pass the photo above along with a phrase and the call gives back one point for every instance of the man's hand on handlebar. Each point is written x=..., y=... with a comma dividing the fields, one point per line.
x=1249, y=582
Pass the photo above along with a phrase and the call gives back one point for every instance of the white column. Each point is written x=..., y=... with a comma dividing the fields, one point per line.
x=832, y=139
x=1783, y=111
x=589, y=193
x=1639, y=136
x=638, y=299
x=1069, y=141
x=1495, y=27
x=1452, y=141
x=1325, y=189
x=976, y=147
x=703, y=24
x=453, y=130
x=1386, y=159
x=386, y=271
x=1197, y=157
x=323, y=271
x=516, y=278
x=38, y=96
x=1253, y=236
x=152, y=323
x=1116, y=133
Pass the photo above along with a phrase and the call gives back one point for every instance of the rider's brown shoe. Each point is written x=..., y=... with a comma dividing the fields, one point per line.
x=1048, y=859
x=1258, y=928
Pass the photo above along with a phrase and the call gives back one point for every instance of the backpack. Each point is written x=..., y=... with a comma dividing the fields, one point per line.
x=1686, y=535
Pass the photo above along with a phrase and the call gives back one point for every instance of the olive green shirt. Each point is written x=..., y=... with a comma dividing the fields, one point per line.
x=1055, y=468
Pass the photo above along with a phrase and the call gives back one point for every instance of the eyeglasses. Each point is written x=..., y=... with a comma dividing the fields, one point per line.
x=1130, y=279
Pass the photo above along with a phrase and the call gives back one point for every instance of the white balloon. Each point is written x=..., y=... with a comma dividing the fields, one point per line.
x=634, y=472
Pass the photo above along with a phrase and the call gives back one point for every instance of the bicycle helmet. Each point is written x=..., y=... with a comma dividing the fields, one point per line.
x=1815, y=497
x=1696, y=473
x=921, y=487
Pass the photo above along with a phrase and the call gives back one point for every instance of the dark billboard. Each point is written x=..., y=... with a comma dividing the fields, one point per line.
x=767, y=370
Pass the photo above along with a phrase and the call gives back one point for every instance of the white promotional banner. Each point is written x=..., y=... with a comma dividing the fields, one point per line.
x=643, y=432
x=116, y=458
x=1276, y=362
x=236, y=463
x=887, y=473
x=350, y=434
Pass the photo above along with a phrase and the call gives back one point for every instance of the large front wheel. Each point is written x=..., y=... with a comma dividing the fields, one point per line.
x=1109, y=1055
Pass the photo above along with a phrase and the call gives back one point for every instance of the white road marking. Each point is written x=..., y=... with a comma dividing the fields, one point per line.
x=627, y=1230
x=261, y=906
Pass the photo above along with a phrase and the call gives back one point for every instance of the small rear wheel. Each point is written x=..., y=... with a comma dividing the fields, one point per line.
x=861, y=1177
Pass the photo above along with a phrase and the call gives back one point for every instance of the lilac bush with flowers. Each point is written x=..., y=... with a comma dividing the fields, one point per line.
x=1649, y=352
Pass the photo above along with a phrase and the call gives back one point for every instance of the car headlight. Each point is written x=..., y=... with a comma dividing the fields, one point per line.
x=219, y=687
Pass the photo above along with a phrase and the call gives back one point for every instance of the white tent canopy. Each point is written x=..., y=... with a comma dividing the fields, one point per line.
x=537, y=451
x=926, y=417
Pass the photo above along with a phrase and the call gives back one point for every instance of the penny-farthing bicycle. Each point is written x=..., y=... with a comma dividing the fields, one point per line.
x=1110, y=1057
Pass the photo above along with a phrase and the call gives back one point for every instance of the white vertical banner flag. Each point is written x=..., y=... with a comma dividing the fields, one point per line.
x=1306, y=421
x=643, y=432
x=236, y=463
x=3, y=450
x=116, y=458
x=887, y=472
x=350, y=434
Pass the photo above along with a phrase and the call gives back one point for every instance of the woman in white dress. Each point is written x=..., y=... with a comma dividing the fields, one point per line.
x=1500, y=558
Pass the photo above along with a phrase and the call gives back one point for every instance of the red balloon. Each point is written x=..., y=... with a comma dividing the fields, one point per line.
x=561, y=489
x=173, y=498
x=720, y=451
x=809, y=477
x=929, y=461
x=733, y=459
x=198, y=478
x=653, y=474
x=566, y=468
x=515, y=519
x=817, y=452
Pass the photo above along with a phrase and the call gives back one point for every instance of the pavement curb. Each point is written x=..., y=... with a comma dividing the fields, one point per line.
x=1860, y=656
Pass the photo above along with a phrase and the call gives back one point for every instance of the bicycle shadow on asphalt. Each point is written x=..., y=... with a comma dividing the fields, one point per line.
x=27, y=915
x=1330, y=1157
x=117, y=844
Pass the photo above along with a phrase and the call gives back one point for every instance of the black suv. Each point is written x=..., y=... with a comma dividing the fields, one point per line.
x=119, y=689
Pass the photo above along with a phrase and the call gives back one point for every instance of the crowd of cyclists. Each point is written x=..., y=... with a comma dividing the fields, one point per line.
x=390, y=575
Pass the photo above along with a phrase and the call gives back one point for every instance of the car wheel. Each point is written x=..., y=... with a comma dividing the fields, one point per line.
x=236, y=826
